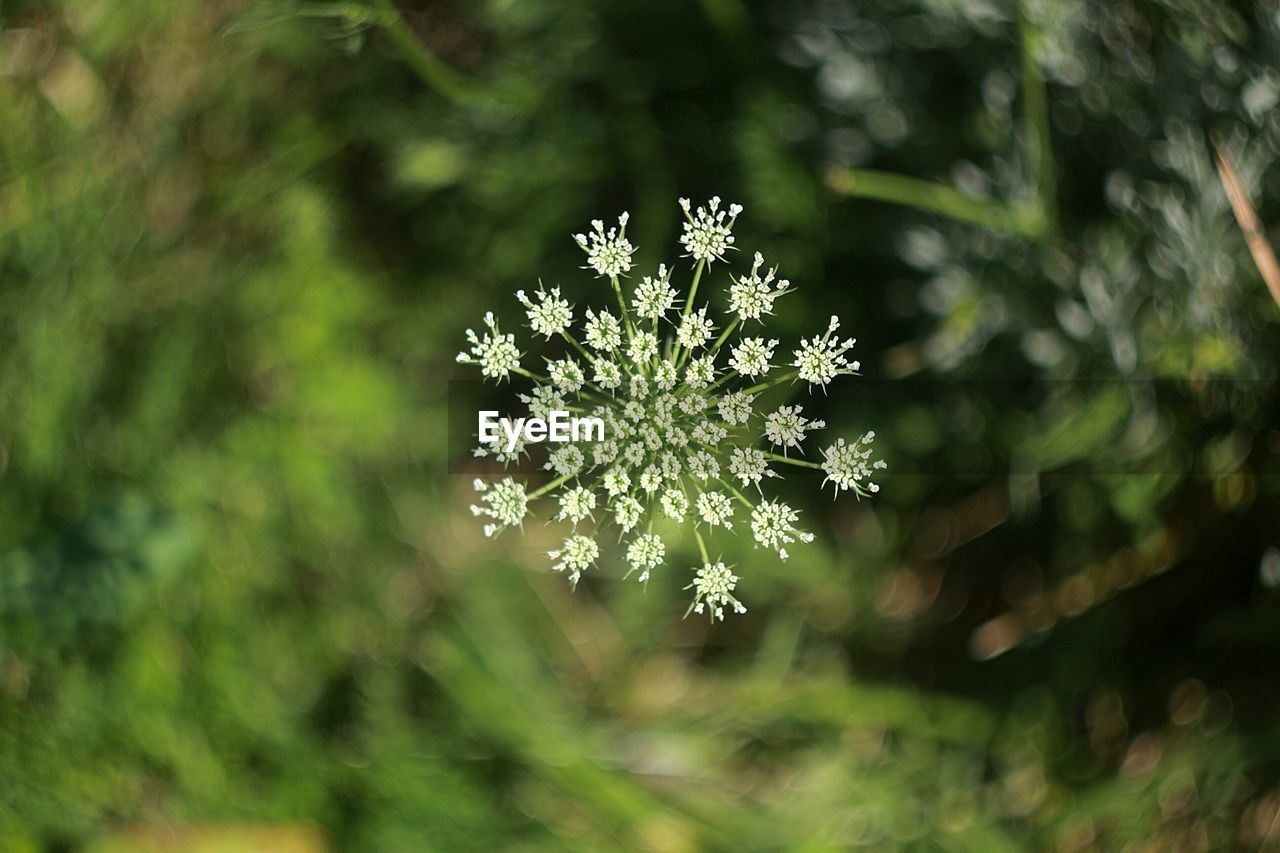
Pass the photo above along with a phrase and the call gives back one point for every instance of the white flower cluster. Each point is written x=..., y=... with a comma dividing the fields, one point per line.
x=713, y=587
x=496, y=353
x=708, y=231
x=849, y=465
x=678, y=393
x=608, y=252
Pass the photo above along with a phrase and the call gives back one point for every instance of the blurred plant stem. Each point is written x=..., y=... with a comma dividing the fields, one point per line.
x=438, y=76
x=1035, y=124
x=1264, y=257
x=1036, y=217
x=936, y=197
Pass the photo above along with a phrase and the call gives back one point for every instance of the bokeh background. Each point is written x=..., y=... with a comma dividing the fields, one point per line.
x=243, y=604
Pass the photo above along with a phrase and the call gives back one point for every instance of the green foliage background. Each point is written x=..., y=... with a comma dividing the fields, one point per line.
x=239, y=243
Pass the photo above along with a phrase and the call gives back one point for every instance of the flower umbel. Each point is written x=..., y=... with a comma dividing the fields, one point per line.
x=821, y=359
x=575, y=556
x=654, y=295
x=608, y=252
x=505, y=502
x=682, y=422
x=551, y=315
x=773, y=526
x=496, y=353
x=849, y=465
x=713, y=588
x=751, y=357
x=708, y=232
x=752, y=295
x=645, y=553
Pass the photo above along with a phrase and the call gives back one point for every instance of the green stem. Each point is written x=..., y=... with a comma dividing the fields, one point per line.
x=934, y=197
x=554, y=484
x=597, y=523
x=714, y=385
x=530, y=375
x=657, y=354
x=438, y=76
x=693, y=288
x=771, y=383
x=622, y=305
x=1035, y=217
x=595, y=392
x=737, y=494
x=688, y=307
x=579, y=347
x=702, y=546
x=684, y=357
x=733, y=324
x=776, y=457
x=1035, y=124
